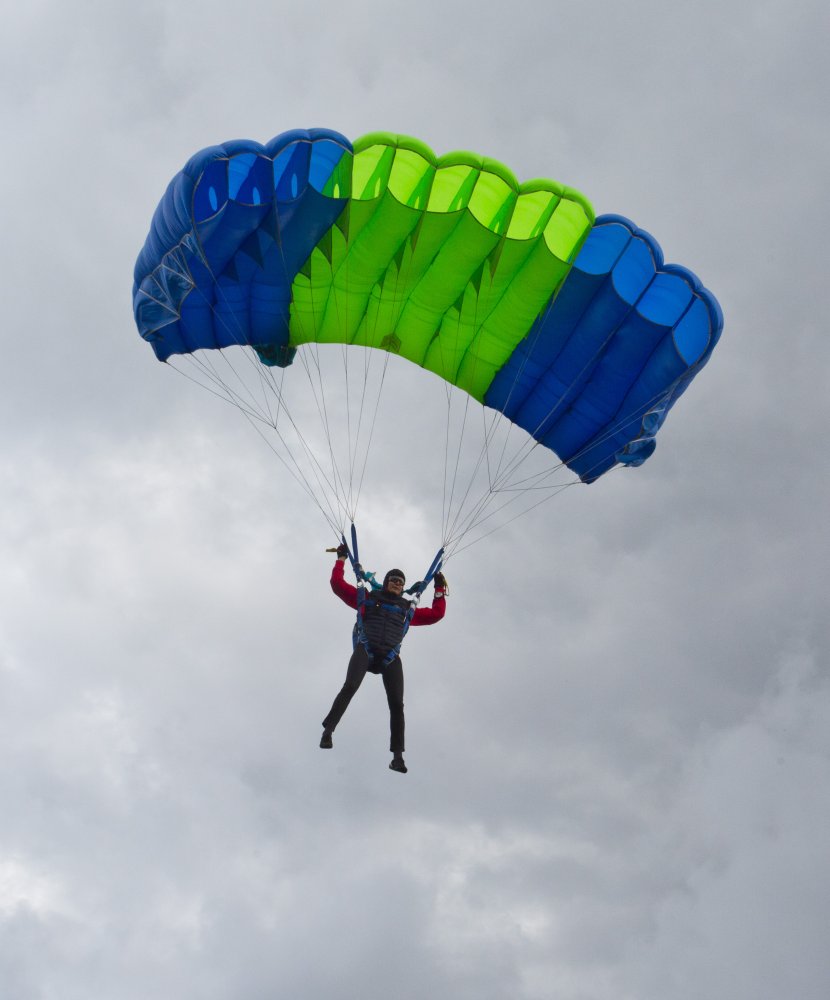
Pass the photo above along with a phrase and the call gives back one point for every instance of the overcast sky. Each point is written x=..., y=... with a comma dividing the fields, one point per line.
x=619, y=737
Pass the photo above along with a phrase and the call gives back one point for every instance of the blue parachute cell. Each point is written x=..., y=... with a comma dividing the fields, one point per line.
x=611, y=355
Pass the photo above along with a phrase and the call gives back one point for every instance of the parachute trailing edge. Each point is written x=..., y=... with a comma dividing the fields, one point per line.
x=572, y=327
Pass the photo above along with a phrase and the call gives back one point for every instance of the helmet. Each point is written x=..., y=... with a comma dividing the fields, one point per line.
x=391, y=573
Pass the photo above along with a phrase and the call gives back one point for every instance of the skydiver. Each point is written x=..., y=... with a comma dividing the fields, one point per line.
x=377, y=642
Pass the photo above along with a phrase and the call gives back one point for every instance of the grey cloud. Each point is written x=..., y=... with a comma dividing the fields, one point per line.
x=616, y=739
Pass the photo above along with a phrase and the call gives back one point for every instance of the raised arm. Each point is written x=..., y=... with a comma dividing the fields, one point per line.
x=429, y=616
x=345, y=591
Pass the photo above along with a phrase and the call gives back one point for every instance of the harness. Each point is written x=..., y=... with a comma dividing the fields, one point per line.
x=364, y=578
x=371, y=630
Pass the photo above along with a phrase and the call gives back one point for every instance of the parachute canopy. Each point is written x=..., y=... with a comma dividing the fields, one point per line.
x=570, y=325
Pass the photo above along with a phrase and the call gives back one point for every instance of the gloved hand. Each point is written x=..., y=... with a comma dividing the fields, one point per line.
x=342, y=551
x=440, y=582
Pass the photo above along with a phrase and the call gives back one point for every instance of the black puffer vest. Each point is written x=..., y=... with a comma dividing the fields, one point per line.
x=384, y=620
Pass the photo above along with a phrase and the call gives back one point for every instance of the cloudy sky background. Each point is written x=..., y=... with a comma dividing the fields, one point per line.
x=618, y=740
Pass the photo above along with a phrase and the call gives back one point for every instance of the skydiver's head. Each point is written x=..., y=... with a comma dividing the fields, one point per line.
x=394, y=581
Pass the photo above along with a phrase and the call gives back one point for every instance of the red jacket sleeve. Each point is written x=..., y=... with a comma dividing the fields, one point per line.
x=345, y=591
x=429, y=616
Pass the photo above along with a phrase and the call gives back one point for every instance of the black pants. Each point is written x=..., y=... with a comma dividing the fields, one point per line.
x=393, y=683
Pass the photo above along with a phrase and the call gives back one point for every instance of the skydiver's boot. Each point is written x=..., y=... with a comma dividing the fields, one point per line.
x=325, y=740
x=397, y=764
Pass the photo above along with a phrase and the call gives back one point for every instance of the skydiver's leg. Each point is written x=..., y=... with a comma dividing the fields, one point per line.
x=393, y=683
x=358, y=665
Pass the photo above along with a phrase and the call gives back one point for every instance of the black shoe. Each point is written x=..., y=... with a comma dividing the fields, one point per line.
x=397, y=764
x=325, y=740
